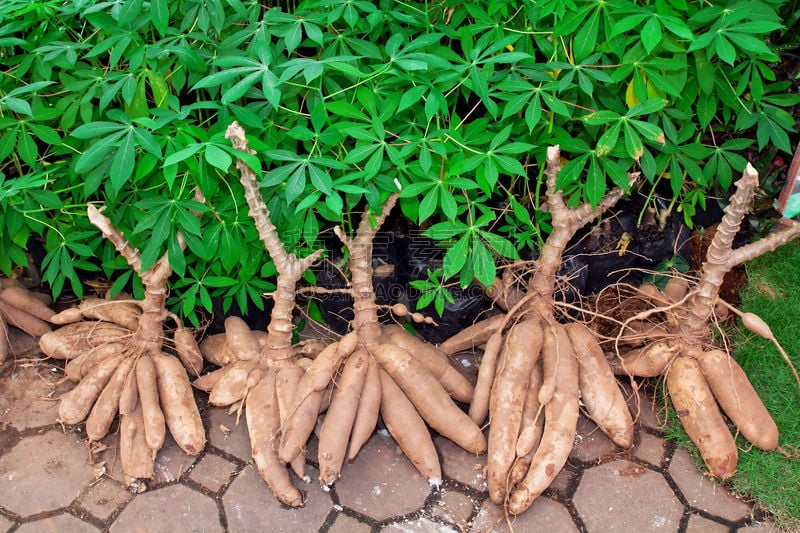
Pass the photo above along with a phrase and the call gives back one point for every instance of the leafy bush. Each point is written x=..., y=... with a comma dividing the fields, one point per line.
x=126, y=102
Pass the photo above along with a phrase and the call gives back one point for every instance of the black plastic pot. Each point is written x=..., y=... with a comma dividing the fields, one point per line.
x=609, y=249
x=658, y=243
x=423, y=254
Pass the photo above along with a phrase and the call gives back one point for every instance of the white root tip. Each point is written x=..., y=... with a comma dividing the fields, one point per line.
x=307, y=479
x=435, y=482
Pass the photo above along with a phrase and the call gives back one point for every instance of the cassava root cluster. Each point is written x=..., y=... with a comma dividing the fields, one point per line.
x=113, y=350
x=671, y=337
x=536, y=371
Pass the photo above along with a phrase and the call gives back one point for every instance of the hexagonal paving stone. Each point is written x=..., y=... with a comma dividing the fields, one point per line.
x=590, y=443
x=23, y=344
x=698, y=524
x=645, y=410
x=169, y=509
x=250, y=505
x=63, y=523
x=103, y=498
x=562, y=484
x=624, y=496
x=461, y=465
x=701, y=492
x=420, y=525
x=29, y=396
x=382, y=482
x=43, y=472
x=649, y=448
x=5, y=524
x=212, y=472
x=348, y=524
x=543, y=515
x=171, y=462
x=452, y=507
x=226, y=435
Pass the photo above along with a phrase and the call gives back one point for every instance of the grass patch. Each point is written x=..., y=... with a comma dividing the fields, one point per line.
x=772, y=292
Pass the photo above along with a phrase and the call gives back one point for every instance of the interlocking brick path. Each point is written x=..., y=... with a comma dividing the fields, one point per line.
x=50, y=480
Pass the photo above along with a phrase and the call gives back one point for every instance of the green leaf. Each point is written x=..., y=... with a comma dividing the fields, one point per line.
x=217, y=157
x=608, y=140
x=483, y=263
x=45, y=133
x=295, y=185
x=595, y=183
x=585, y=40
x=123, y=162
x=633, y=143
x=705, y=72
x=346, y=110
x=177, y=260
x=411, y=97
x=129, y=11
x=428, y=204
x=96, y=129
x=651, y=34
x=159, y=16
x=456, y=257
x=17, y=105
x=27, y=149
x=95, y=154
x=725, y=49
x=706, y=109
x=240, y=88
x=499, y=244
x=182, y=154
x=320, y=179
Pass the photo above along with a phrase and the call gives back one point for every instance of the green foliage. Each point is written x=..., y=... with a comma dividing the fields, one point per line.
x=125, y=103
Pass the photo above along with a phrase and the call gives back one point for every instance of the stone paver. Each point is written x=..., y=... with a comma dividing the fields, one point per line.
x=590, y=444
x=43, y=472
x=544, y=515
x=48, y=470
x=701, y=492
x=167, y=510
x=22, y=344
x=563, y=480
x=63, y=523
x=644, y=410
x=452, y=507
x=382, y=482
x=29, y=397
x=461, y=465
x=698, y=524
x=212, y=472
x=250, y=505
x=225, y=434
x=649, y=448
x=348, y=524
x=623, y=496
x=103, y=498
x=171, y=462
x=419, y=525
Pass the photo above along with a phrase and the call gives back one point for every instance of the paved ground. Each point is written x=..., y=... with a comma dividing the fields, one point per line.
x=50, y=480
